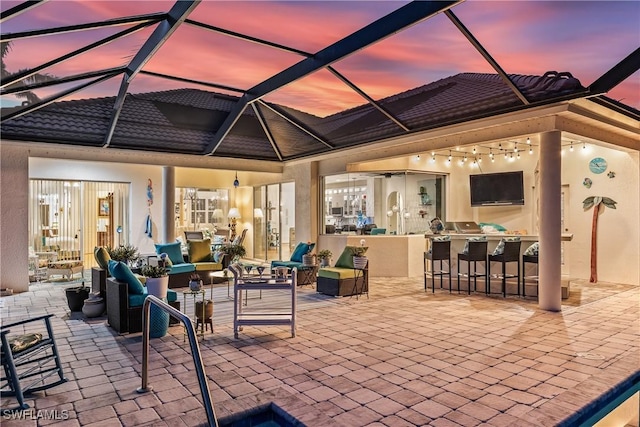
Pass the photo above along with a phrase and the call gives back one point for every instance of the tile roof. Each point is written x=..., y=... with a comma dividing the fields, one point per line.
x=186, y=120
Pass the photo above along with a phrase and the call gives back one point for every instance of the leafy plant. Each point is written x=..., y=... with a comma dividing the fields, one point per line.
x=325, y=254
x=153, y=271
x=359, y=250
x=234, y=251
x=123, y=253
x=595, y=202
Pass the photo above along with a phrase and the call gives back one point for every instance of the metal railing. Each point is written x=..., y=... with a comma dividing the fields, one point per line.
x=195, y=352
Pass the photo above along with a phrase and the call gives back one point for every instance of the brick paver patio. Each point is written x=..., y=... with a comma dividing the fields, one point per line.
x=402, y=357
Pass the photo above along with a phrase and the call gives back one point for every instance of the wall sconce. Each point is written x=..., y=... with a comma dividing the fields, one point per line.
x=257, y=213
x=233, y=215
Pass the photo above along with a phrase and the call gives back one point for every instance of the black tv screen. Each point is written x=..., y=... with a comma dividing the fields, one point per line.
x=495, y=189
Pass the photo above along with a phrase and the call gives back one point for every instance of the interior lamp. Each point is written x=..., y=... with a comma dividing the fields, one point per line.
x=257, y=213
x=233, y=215
x=236, y=183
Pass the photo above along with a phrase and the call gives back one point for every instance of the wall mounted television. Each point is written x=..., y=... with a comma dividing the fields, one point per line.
x=497, y=189
x=337, y=211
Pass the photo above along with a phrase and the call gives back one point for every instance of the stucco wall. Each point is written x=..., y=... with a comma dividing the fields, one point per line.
x=14, y=218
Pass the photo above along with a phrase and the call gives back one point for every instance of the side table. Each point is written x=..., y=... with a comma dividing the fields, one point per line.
x=195, y=294
x=307, y=275
x=359, y=274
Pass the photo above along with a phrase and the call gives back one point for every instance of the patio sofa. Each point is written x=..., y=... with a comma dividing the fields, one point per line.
x=199, y=259
x=340, y=280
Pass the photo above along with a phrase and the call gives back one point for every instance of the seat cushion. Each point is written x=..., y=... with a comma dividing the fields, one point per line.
x=138, y=300
x=289, y=264
x=171, y=249
x=336, y=273
x=346, y=257
x=199, y=250
x=499, y=250
x=301, y=249
x=207, y=266
x=465, y=250
x=122, y=272
x=101, y=254
x=533, y=249
x=185, y=267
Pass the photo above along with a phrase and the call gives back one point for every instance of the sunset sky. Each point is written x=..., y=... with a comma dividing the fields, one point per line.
x=585, y=38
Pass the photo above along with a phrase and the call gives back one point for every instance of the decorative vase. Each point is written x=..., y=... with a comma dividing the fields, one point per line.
x=158, y=286
x=324, y=262
x=308, y=260
x=93, y=306
x=360, y=262
x=195, y=285
x=76, y=297
x=208, y=310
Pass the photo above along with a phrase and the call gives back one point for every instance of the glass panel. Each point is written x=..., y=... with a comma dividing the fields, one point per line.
x=273, y=222
x=392, y=202
x=201, y=209
x=288, y=219
x=259, y=223
x=68, y=219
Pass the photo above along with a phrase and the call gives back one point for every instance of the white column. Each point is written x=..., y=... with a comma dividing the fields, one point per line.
x=14, y=211
x=168, y=204
x=549, y=286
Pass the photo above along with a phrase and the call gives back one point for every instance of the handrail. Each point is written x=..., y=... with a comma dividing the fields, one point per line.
x=195, y=351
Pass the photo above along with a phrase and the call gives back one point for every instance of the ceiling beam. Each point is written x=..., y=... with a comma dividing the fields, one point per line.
x=616, y=74
x=485, y=54
x=150, y=18
x=18, y=9
x=28, y=73
x=297, y=123
x=57, y=81
x=369, y=99
x=398, y=20
x=54, y=98
x=198, y=82
x=164, y=30
x=266, y=130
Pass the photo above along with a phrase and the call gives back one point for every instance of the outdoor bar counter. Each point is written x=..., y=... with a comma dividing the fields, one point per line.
x=403, y=255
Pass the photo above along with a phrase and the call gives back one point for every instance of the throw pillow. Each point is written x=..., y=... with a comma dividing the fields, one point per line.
x=165, y=257
x=199, y=250
x=171, y=249
x=218, y=256
x=102, y=257
x=301, y=249
x=499, y=250
x=533, y=249
x=473, y=239
x=122, y=272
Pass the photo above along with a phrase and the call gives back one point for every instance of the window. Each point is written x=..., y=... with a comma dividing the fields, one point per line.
x=398, y=202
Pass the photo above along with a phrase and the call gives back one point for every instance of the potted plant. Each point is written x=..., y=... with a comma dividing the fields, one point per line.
x=195, y=282
x=76, y=296
x=124, y=253
x=325, y=257
x=359, y=260
x=234, y=252
x=157, y=280
x=309, y=259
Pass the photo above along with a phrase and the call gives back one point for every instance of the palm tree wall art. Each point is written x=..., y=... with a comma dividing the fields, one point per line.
x=595, y=202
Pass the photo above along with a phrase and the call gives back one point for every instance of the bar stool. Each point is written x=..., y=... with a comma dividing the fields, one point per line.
x=440, y=251
x=477, y=253
x=510, y=253
x=533, y=259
